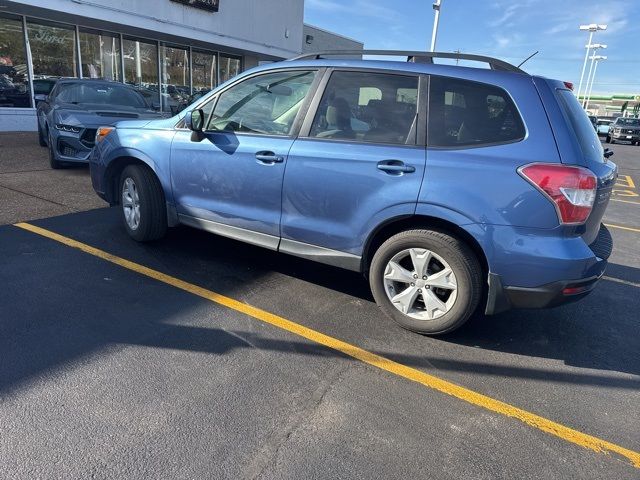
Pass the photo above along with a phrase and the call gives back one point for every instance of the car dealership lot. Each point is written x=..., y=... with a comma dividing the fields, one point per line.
x=114, y=371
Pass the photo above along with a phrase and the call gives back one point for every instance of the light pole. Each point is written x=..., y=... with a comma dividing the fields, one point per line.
x=597, y=59
x=594, y=47
x=591, y=28
x=434, y=34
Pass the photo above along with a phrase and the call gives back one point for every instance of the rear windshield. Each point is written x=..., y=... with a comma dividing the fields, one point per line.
x=582, y=126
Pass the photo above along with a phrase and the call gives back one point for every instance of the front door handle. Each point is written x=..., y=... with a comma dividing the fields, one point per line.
x=268, y=158
x=395, y=167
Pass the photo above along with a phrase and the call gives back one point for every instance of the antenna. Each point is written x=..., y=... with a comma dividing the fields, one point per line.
x=530, y=56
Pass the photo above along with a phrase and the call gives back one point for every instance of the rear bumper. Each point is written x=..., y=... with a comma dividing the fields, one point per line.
x=505, y=297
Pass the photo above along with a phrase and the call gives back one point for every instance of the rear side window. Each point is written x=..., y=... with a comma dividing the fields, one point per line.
x=585, y=133
x=368, y=107
x=464, y=113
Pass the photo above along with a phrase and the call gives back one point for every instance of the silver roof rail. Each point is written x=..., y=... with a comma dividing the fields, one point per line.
x=417, y=57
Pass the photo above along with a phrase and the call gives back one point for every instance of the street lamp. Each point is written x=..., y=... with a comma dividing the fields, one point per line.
x=434, y=34
x=591, y=28
x=597, y=59
x=594, y=47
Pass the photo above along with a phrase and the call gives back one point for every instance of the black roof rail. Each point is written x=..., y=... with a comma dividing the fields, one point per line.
x=417, y=57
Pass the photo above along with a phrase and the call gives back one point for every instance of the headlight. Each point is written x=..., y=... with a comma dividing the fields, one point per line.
x=67, y=128
x=616, y=130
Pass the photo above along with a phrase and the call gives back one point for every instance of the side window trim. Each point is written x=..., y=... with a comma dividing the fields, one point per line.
x=419, y=123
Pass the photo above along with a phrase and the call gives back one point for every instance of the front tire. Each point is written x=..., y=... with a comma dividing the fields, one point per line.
x=53, y=162
x=41, y=140
x=426, y=281
x=142, y=204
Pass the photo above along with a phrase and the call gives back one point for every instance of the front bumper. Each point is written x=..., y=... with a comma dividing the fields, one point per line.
x=74, y=147
x=628, y=137
x=501, y=297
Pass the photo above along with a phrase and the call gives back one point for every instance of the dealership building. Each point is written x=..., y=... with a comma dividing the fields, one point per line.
x=166, y=48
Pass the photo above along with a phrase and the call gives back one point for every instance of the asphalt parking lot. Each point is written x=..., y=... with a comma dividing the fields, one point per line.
x=200, y=357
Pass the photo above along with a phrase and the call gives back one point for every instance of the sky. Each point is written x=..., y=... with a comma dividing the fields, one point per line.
x=507, y=29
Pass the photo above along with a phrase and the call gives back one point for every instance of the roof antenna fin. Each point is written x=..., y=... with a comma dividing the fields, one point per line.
x=530, y=56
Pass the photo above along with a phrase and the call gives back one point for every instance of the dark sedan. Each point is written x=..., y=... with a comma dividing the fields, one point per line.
x=70, y=116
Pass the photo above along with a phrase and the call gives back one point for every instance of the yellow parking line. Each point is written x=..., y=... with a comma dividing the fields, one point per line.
x=623, y=227
x=430, y=381
x=619, y=280
x=625, y=201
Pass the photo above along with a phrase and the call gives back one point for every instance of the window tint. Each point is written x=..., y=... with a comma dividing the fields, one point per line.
x=464, y=113
x=367, y=107
x=266, y=104
x=585, y=133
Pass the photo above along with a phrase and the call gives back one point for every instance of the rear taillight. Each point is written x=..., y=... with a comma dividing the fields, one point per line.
x=571, y=189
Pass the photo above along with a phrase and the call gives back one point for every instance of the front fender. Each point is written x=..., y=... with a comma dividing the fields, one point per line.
x=152, y=148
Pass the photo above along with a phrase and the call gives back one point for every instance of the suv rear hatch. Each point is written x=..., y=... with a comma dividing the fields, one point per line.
x=578, y=144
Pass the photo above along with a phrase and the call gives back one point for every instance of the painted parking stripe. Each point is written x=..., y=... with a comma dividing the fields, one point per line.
x=430, y=381
x=623, y=227
x=620, y=280
x=625, y=201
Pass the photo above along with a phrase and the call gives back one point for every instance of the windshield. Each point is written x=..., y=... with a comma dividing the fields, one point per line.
x=81, y=93
x=628, y=122
x=582, y=126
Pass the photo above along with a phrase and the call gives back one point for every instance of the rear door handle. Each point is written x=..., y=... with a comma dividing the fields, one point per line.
x=268, y=158
x=395, y=167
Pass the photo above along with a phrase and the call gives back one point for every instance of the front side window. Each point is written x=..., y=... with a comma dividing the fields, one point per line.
x=368, y=107
x=465, y=113
x=266, y=104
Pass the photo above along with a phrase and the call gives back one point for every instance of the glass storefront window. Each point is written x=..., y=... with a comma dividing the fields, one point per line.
x=176, y=84
x=100, y=55
x=53, y=49
x=229, y=67
x=204, y=72
x=141, y=68
x=14, y=80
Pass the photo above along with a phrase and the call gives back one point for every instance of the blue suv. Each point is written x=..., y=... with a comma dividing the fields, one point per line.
x=451, y=188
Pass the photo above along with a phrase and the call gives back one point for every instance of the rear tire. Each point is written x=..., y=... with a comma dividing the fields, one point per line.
x=608, y=139
x=433, y=258
x=142, y=204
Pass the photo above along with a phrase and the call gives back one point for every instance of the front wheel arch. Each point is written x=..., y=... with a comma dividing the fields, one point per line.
x=113, y=173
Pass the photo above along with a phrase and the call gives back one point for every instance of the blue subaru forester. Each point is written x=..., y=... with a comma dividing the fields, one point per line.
x=451, y=188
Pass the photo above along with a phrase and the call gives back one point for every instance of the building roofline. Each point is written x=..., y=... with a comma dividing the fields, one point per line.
x=333, y=33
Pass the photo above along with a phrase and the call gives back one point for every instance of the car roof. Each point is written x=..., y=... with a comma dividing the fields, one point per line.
x=467, y=72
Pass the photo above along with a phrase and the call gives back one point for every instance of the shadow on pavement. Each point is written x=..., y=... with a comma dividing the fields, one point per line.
x=79, y=313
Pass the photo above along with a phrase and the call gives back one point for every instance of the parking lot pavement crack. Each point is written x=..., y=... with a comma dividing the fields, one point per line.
x=268, y=455
x=15, y=190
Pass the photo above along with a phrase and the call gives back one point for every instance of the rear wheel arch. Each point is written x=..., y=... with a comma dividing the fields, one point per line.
x=396, y=225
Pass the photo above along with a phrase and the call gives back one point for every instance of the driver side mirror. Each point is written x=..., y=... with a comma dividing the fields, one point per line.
x=195, y=120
